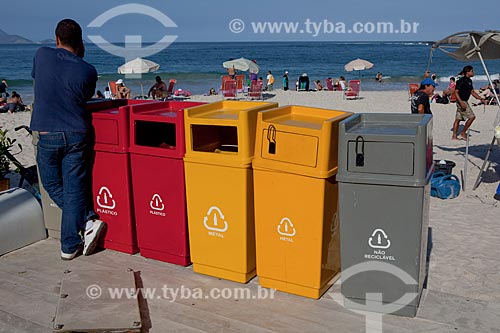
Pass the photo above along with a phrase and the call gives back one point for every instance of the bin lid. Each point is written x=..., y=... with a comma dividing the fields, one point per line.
x=391, y=149
x=110, y=119
x=157, y=129
x=222, y=133
x=298, y=139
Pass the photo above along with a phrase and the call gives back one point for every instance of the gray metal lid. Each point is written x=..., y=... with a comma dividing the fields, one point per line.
x=386, y=149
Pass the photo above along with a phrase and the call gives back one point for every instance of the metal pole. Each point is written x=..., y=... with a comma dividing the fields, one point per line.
x=466, y=160
x=486, y=160
x=497, y=120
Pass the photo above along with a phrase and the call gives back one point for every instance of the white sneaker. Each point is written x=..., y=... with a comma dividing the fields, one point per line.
x=92, y=235
x=71, y=256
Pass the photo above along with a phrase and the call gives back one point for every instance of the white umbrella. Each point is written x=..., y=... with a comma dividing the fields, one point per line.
x=358, y=65
x=242, y=64
x=138, y=66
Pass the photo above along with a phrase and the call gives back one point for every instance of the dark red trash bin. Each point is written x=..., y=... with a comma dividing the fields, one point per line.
x=157, y=148
x=111, y=176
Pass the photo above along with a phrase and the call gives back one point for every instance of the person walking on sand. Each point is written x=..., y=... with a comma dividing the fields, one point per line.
x=463, y=90
x=285, y=81
x=420, y=99
x=63, y=133
x=270, y=81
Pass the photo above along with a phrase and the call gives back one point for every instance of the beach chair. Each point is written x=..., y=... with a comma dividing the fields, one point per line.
x=255, y=90
x=329, y=84
x=412, y=88
x=303, y=83
x=353, y=90
x=224, y=78
x=170, y=88
x=113, y=89
x=240, y=83
x=229, y=90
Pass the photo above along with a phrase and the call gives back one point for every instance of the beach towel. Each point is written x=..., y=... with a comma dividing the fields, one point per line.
x=180, y=92
x=445, y=186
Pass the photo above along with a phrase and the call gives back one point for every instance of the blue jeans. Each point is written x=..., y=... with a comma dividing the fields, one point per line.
x=65, y=163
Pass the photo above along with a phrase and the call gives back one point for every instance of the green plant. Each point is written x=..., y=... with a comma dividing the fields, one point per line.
x=6, y=144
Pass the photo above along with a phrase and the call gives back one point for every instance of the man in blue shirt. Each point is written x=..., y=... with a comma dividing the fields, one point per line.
x=64, y=82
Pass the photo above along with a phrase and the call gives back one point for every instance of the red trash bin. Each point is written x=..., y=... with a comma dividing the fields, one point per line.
x=111, y=176
x=157, y=148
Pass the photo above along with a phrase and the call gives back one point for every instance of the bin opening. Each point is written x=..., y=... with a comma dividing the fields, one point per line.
x=215, y=139
x=154, y=134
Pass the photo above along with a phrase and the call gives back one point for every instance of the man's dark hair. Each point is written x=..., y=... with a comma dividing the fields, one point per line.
x=158, y=79
x=69, y=33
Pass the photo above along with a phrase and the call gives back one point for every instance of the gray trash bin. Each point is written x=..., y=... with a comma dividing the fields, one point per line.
x=385, y=164
x=52, y=214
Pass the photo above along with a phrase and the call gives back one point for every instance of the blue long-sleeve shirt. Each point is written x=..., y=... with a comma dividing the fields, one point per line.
x=64, y=82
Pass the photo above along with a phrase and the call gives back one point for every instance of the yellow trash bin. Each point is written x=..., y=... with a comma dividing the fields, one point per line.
x=296, y=199
x=220, y=139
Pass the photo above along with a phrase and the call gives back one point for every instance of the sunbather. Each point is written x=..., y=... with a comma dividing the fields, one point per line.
x=159, y=89
x=122, y=90
x=343, y=84
x=14, y=103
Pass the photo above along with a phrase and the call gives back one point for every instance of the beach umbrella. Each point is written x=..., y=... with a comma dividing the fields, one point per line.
x=468, y=46
x=358, y=65
x=138, y=66
x=242, y=64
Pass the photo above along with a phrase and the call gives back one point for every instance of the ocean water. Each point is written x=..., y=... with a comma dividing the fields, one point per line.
x=197, y=67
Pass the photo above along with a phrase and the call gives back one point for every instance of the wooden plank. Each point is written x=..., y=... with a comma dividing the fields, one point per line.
x=31, y=308
x=30, y=278
x=85, y=305
x=15, y=324
x=461, y=312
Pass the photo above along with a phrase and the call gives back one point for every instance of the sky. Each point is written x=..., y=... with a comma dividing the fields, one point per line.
x=225, y=21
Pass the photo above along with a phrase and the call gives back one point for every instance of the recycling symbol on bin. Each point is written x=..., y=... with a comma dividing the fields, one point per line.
x=379, y=240
x=156, y=203
x=286, y=228
x=105, y=198
x=216, y=219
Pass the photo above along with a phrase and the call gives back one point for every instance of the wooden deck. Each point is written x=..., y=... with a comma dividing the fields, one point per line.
x=463, y=292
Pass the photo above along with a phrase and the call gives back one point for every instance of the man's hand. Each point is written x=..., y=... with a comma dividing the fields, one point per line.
x=463, y=105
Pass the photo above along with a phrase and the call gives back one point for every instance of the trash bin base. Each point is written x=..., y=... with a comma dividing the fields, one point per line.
x=224, y=195
x=125, y=248
x=160, y=208
x=224, y=273
x=112, y=192
x=297, y=240
x=54, y=233
x=296, y=289
x=404, y=311
x=165, y=257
